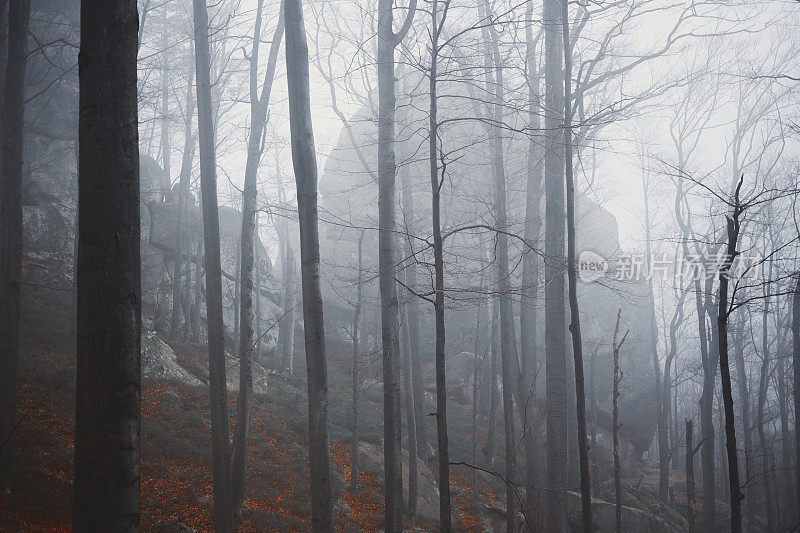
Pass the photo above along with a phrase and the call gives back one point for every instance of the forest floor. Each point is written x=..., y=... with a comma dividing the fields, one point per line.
x=175, y=462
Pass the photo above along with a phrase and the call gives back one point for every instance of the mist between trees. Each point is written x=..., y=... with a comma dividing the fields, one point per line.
x=441, y=265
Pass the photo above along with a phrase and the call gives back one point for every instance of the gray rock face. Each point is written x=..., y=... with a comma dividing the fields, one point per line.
x=159, y=362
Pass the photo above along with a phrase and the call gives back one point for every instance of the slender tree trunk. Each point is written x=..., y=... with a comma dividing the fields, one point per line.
x=305, y=168
x=796, y=383
x=661, y=409
x=733, y=227
x=438, y=260
x=744, y=406
x=763, y=385
x=786, y=485
x=572, y=262
x=488, y=451
x=185, y=241
x=356, y=323
x=409, y=385
x=555, y=331
x=13, y=108
x=530, y=279
x=615, y=424
x=412, y=317
x=286, y=331
x=706, y=412
x=258, y=114
x=508, y=347
x=690, y=489
x=223, y=511
x=198, y=280
x=108, y=378
x=393, y=478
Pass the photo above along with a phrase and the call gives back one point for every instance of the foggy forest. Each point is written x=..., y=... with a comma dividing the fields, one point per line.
x=399, y=265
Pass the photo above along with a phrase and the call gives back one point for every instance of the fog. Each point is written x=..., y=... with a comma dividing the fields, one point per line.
x=430, y=265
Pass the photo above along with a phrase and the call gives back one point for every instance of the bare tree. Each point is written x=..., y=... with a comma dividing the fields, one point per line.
x=223, y=505
x=388, y=41
x=305, y=166
x=13, y=108
x=572, y=265
x=555, y=331
x=258, y=117
x=356, y=382
x=615, y=425
x=108, y=380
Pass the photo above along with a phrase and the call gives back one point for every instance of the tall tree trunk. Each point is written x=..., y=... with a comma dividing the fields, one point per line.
x=555, y=331
x=305, y=168
x=661, y=408
x=13, y=108
x=488, y=450
x=763, y=385
x=356, y=324
x=286, y=327
x=690, y=490
x=185, y=241
x=733, y=227
x=223, y=510
x=530, y=279
x=387, y=170
x=786, y=485
x=411, y=423
x=572, y=262
x=412, y=317
x=796, y=382
x=258, y=119
x=108, y=378
x=615, y=423
x=707, y=409
x=508, y=346
x=744, y=407
x=443, y=454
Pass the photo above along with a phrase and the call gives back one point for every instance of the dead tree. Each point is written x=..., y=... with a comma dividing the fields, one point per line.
x=305, y=168
x=223, y=511
x=13, y=107
x=108, y=377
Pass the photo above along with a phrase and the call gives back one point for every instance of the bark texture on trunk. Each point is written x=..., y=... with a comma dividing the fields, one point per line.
x=387, y=171
x=690, y=489
x=220, y=447
x=305, y=171
x=531, y=426
x=258, y=118
x=555, y=328
x=108, y=380
x=443, y=452
x=733, y=227
x=572, y=262
x=356, y=324
x=617, y=377
x=13, y=107
x=796, y=382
